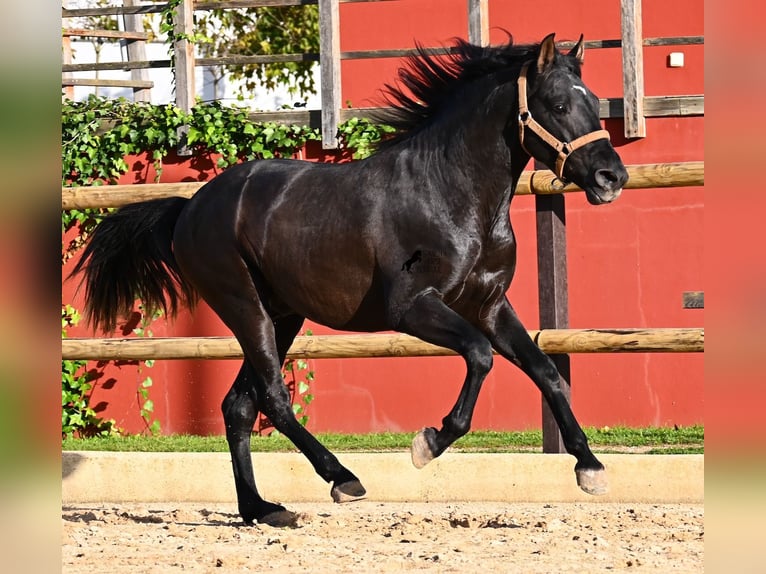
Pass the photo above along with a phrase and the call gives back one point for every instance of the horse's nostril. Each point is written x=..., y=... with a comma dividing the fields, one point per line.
x=606, y=179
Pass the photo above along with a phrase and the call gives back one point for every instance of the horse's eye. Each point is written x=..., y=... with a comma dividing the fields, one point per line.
x=559, y=108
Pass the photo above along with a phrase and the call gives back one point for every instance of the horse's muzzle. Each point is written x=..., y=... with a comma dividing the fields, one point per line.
x=608, y=185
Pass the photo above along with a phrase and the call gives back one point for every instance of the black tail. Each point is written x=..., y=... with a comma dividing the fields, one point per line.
x=129, y=256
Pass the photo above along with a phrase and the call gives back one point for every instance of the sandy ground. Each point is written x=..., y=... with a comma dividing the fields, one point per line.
x=368, y=536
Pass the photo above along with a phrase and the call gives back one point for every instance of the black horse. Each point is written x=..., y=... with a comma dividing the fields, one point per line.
x=417, y=238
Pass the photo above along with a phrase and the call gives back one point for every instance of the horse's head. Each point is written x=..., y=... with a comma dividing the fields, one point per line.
x=559, y=123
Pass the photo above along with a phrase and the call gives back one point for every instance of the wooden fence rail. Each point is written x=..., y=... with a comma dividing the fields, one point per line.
x=539, y=182
x=686, y=340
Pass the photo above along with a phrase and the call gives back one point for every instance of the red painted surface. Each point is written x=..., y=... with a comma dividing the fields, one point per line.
x=629, y=262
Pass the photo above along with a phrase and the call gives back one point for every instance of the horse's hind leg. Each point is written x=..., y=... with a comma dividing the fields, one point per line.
x=240, y=409
x=229, y=289
x=511, y=340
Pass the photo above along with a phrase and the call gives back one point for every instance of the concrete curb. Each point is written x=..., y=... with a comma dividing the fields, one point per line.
x=388, y=477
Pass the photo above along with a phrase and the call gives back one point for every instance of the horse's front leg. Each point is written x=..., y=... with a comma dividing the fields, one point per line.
x=509, y=337
x=432, y=321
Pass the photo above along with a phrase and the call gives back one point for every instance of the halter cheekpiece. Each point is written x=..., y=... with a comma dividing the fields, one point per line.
x=526, y=120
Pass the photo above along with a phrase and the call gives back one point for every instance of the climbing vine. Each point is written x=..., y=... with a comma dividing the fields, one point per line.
x=77, y=415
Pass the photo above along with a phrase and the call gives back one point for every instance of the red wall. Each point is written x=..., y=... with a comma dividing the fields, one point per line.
x=629, y=262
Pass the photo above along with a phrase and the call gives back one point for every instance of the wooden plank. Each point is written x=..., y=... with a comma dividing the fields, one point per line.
x=113, y=34
x=649, y=176
x=656, y=106
x=104, y=196
x=119, y=66
x=137, y=51
x=107, y=83
x=233, y=4
x=675, y=41
x=633, y=68
x=694, y=300
x=664, y=41
x=66, y=56
x=256, y=59
x=239, y=4
x=478, y=22
x=329, y=63
x=666, y=340
x=112, y=10
x=391, y=53
x=553, y=296
x=183, y=50
x=663, y=106
x=155, y=8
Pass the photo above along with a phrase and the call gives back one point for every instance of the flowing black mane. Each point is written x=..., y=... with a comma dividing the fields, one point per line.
x=426, y=81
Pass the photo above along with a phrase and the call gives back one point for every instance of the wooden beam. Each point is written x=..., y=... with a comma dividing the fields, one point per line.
x=694, y=300
x=112, y=10
x=228, y=4
x=113, y=34
x=650, y=176
x=552, y=289
x=66, y=55
x=136, y=49
x=329, y=62
x=684, y=340
x=107, y=83
x=633, y=68
x=478, y=22
x=183, y=49
x=155, y=8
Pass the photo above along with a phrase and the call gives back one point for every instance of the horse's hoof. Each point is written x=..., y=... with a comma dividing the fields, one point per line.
x=348, y=491
x=592, y=481
x=280, y=519
x=421, y=450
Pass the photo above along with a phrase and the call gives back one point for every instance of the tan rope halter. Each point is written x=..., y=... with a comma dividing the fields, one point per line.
x=564, y=149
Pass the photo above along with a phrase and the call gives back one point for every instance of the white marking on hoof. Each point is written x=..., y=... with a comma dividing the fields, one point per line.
x=421, y=452
x=592, y=481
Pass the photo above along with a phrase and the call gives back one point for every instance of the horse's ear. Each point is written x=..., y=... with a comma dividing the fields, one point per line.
x=578, y=50
x=547, y=53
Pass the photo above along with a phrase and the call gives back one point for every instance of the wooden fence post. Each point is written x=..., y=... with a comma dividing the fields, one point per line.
x=136, y=52
x=329, y=63
x=183, y=50
x=633, y=69
x=553, y=295
x=66, y=52
x=478, y=22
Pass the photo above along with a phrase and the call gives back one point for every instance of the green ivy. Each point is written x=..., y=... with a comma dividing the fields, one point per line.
x=77, y=417
x=361, y=136
x=146, y=404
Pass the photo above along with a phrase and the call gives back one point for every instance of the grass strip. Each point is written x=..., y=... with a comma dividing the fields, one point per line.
x=650, y=440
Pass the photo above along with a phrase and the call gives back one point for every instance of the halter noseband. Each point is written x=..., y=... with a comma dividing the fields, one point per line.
x=563, y=148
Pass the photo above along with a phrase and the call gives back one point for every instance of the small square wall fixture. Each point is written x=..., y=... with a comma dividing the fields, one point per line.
x=676, y=60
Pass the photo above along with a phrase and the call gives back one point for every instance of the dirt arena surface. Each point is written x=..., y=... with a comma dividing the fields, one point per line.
x=369, y=536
